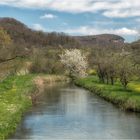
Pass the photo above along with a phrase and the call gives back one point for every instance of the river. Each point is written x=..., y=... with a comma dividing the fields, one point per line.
x=67, y=112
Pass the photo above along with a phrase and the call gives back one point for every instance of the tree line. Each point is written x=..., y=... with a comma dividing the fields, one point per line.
x=116, y=64
x=112, y=64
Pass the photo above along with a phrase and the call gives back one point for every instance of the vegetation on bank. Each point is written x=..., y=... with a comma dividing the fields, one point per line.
x=16, y=97
x=127, y=99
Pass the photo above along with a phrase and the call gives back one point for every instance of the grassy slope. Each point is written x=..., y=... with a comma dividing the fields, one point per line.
x=15, y=99
x=126, y=99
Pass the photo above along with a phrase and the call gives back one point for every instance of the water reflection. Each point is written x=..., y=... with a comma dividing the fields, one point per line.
x=68, y=112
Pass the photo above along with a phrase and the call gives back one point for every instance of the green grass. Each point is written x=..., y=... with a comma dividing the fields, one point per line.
x=135, y=86
x=15, y=99
x=126, y=99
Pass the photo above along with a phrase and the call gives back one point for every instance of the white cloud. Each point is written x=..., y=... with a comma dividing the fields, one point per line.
x=38, y=27
x=122, y=13
x=48, y=16
x=86, y=30
x=126, y=31
x=109, y=8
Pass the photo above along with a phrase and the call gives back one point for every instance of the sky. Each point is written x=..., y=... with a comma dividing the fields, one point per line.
x=77, y=17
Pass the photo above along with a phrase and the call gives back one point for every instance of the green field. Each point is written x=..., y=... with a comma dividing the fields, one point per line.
x=126, y=99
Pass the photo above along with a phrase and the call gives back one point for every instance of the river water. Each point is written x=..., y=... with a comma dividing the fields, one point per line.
x=67, y=112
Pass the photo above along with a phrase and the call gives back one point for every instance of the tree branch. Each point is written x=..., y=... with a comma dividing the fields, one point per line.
x=9, y=59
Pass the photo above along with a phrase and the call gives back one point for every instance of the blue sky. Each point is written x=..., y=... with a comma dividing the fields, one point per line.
x=77, y=17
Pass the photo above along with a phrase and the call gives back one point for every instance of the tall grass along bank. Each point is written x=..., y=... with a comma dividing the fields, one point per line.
x=126, y=99
x=16, y=93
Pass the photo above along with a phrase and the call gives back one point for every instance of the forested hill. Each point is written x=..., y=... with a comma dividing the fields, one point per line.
x=22, y=35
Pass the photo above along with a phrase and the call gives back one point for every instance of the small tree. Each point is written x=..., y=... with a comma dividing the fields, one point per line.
x=38, y=61
x=4, y=38
x=104, y=60
x=6, y=49
x=75, y=62
x=135, y=49
x=125, y=68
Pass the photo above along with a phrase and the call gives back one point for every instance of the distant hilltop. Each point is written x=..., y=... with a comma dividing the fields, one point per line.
x=101, y=40
x=21, y=34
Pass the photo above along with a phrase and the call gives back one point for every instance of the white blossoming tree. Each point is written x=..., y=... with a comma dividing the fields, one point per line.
x=75, y=62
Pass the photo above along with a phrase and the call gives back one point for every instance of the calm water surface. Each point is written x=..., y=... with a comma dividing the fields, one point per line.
x=67, y=112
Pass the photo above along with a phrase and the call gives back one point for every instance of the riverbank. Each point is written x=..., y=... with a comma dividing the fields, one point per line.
x=126, y=99
x=16, y=96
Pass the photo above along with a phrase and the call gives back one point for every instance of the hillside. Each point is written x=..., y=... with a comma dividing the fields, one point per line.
x=22, y=35
x=101, y=40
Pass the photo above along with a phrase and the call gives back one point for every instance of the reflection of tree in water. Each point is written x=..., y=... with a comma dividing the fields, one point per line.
x=49, y=100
